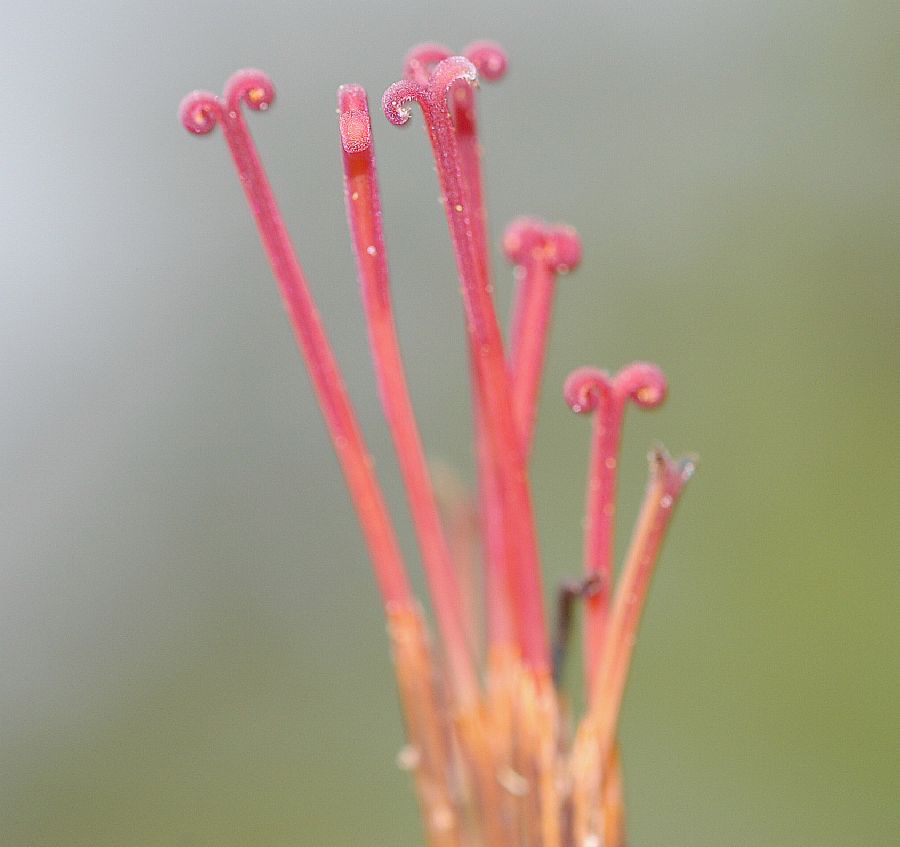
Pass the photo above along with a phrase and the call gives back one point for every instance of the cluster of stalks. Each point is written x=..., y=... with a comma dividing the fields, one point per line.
x=491, y=747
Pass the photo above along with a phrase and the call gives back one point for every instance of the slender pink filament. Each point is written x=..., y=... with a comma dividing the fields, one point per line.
x=200, y=113
x=590, y=390
x=491, y=61
x=492, y=382
x=499, y=552
x=364, y=216
x=540, y=253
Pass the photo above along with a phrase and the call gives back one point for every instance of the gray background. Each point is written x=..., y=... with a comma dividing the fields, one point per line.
x=191, y=648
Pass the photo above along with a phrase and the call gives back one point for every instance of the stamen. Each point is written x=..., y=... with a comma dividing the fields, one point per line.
x=490, y=61
x=590, y=390
x=667, y=480
x=364, y=217
x=539, y=252
x=200, y=112
x=491, y=378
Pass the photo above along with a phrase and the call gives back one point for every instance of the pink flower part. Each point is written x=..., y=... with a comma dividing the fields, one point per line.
x=499, y=765
x=540, y=252
x=491, y=63
x=588, y=390
x=364, y=216
x=667, y=480
x=200, y=113
x=492, y=385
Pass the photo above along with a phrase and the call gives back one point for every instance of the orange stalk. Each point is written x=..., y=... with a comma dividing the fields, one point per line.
x=667, y=480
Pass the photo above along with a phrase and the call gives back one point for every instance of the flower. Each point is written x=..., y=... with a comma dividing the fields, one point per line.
x=488, y=743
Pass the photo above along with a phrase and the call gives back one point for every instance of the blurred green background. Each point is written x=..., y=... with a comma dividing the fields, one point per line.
x=191, y=645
